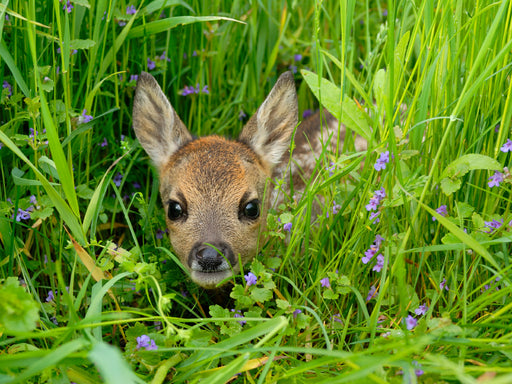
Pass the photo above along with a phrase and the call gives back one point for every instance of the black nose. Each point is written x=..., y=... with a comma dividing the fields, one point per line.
x=211, y=257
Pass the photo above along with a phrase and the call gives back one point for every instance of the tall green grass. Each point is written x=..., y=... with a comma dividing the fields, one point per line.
x=86, y=270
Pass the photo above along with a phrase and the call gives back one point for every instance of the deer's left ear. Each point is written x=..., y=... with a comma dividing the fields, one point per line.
x=269, y=131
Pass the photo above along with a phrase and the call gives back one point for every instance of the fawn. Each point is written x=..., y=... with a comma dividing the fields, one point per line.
x=214, y=190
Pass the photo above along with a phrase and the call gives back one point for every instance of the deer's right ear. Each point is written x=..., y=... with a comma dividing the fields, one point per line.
x=157, y=126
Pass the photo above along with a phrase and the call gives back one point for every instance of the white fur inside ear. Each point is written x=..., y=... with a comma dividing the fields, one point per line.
x=156, y=124
x=275, y=121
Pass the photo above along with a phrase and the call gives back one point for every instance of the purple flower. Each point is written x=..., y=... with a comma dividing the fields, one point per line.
x=371, y=293
x=410, y=322
x=293, y=68
x=296, y=313
x=121, y=23
x=369, y=254
x=331, y=169
x=307, y=113
x=104, y=143
x=382, y=161
x=50, y=297
x=68, y=7
x=421, y=310
x=493, y=225
x=385, y=12
x=374, y=217
x=442, y=210
x=380, y=194
x=507, y=147
x=241, y=115
x=373, y=204
x=380, y=264
x=163, y=56
x=238, y=314
x=418, y=371
x=134, y=77
x=378, y=240
x=24, y=214
x=496, y=179
x=297, y=57
x=335, y=208
x=136, y=185
x=8, y=86
x=325, y=282
x=131, y=10
x=145, y=341
x=443, y=285
x=117, y=179
x=1, y=145
x=188, y=90
x=250, y=279
x=152, y=346
x=159, y=234
x=287, y=227
x=151, y=64
x=84, y=117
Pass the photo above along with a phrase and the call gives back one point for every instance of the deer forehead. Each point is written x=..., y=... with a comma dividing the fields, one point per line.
x=213, y=168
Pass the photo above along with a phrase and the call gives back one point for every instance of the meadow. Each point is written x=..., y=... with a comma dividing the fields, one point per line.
x=403, y=277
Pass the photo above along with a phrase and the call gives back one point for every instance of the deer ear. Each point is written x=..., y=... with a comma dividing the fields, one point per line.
x=157, y=126
x=269, y=131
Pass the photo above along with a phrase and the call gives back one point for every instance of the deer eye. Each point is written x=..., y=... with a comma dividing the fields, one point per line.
x=251, y=210
x=175, y=211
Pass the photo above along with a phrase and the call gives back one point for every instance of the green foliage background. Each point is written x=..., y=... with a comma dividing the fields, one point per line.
x=85, y=268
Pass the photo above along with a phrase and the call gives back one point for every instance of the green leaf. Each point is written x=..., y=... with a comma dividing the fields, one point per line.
x=238, y=293
x=164, y=25
x=81, y=44
x=282, y=304
x=347, y=112
x=470, y=162
x=266, y=329
x=286, y=217
x=261, y=294
x=48, y=166
x=18, y=310
x=64, y=210
x=217, y=311
x=83, y=3
x=379, y=87
x=450, y=186
x=112, y=366
x=159, y=4
x=51, y=359
x=450, y=238
x=464, y=210
x=329, y=294
x=7, y=58
x=42, y=214
x=461, y=235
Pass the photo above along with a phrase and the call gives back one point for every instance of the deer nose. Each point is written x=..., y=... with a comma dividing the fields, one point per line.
x=211, y=257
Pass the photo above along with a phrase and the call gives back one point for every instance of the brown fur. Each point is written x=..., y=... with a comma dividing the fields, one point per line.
x=213, y=180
